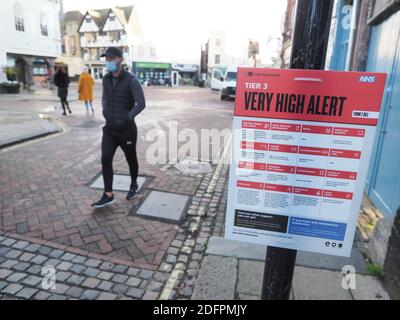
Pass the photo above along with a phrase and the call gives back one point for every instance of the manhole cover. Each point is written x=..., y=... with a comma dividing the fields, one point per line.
x=165, y=206
x=192, y=166
x=120, y=183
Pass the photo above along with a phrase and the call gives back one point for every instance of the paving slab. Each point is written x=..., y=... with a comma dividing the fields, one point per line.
x=120, y=183
x=320, y=261
x=369, y=288
x=314, y=284
x=218, y=246
x=250, y=278
x=217, y=279
x=165, y=206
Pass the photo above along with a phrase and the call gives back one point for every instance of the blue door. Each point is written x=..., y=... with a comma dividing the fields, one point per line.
x=384, y=176
x=341, y=25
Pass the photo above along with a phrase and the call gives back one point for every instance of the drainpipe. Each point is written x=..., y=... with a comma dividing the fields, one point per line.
x=353, y=34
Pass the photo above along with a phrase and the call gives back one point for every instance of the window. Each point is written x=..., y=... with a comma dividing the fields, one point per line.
x=114, y=35
x=231, y=76
x=19, y=17
x=218, y=42
x=44, y=30
x=72, y=46
x=217, y=59
x=44, y=26
x=19, y=24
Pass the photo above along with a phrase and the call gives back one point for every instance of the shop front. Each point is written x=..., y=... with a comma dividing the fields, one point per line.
x=29, y=70
x=152, y=73
x=188, y=73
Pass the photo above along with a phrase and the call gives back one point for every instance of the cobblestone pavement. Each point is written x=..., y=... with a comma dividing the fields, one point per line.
x=45, y=215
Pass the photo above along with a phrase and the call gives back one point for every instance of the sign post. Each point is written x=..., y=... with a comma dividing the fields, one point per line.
x=308, y=52
x=302, y=143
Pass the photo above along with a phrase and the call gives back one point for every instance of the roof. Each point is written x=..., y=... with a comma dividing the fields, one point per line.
x=73, y=16
x=127, y=11
x=100, y=15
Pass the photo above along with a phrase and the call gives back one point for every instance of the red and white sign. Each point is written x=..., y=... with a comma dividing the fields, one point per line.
x=302, y=145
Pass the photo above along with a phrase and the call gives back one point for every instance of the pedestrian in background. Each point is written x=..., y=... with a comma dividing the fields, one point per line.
x=85, y=89
x=61, y=80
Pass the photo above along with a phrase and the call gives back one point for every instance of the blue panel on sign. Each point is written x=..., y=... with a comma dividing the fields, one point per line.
x=317, y=228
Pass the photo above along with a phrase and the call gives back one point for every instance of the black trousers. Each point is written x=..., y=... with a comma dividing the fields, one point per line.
x=64, y=103
x=63, y=94
x=126, y=139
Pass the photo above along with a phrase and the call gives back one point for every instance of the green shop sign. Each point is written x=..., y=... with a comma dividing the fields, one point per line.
x=151, y=65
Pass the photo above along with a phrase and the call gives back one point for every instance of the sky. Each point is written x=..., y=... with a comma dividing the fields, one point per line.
x=178, y=28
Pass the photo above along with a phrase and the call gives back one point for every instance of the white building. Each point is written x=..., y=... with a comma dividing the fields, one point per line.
x=113, y=27
x=29, y=37
x=217, y=49
x=219, y=55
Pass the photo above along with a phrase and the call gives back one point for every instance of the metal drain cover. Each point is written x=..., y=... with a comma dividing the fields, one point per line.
x=120, y=183
x=192, y=166
x=165, y=206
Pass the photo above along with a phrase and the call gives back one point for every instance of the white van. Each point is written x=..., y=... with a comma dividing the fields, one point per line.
x=217, y=74
x=226, y=83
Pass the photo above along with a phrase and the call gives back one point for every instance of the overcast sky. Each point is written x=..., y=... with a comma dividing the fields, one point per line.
x=178, y=27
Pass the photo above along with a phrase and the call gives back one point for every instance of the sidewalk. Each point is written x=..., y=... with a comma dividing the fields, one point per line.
x=47, y=95
x=49, y=185
x=17, y=127
x=233, y=270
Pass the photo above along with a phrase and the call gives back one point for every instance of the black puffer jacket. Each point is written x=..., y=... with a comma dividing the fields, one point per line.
x=118, y=100
x=61, y=80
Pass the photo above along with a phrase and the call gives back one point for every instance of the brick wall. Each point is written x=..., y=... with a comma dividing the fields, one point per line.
x=392, y=263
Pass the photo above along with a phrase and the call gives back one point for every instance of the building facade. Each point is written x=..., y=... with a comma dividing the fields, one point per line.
x=30, y=38
x=365, y=37
x=70, y=43
x=216, y=47
x=100, y=29
x=288, y=33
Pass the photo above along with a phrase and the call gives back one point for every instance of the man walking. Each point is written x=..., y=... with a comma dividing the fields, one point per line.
x=122, y=101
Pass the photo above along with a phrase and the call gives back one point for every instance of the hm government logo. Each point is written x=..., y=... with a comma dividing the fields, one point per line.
x=368, y=79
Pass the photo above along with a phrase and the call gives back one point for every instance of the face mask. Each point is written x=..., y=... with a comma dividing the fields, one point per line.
x=112, y=66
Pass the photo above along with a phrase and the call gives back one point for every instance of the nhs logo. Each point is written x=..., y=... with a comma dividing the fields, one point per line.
x=368, y=79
